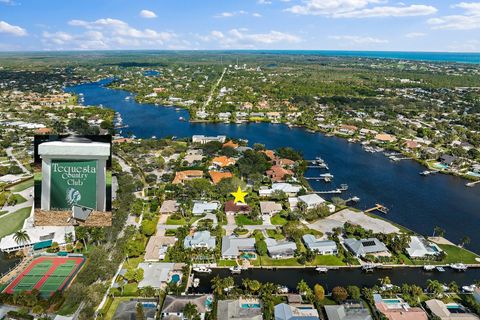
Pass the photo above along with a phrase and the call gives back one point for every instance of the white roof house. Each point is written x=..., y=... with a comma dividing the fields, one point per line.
x=155, y=274
x=270, y=207
x=280, y=249
x=287, y=188
x=233, y=246
x=204, y=139
x=420, y=247
x=204, y=207
x=312, y=200
x=37, y=235
x=320, y=246
x=200, y=239
x=285, y=311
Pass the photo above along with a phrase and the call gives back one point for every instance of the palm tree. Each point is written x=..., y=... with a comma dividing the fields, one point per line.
x=21, y=237
x=303, y=287
x=190, y=311
x=439, y=232
x=434, y=287
x=465, y=241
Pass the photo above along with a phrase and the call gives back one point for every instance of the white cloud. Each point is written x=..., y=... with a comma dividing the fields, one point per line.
x=358, y=39
x=415, y=35
x=229, y=14
x=256, y=15
x=147, y=14
x=264, y=2
x=241, y=38
x=12, y=30
x=109, y=33
x=469, y=20
x=358, y=9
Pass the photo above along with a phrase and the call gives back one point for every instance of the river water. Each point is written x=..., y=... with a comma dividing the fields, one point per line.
x=417, y=202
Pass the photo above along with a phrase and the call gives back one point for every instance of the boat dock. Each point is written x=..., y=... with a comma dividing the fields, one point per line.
x=472, y=184
x=378, y=207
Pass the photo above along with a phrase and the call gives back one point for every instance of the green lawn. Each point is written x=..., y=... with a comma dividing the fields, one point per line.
x=243, y=220
x=326, y=260
x=275, y=234
x=267, y=261
x=14, y=221
x=180, y=221
x=18, y=198
x=226, y=263
x=457, y=254
x=132, y=262
x=113, y=307
x=22, y=186
x=278, y=220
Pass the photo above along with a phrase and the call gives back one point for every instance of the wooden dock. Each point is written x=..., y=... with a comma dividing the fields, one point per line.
x=378, y=207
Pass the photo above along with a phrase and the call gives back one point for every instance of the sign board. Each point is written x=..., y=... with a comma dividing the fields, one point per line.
x=73, y=182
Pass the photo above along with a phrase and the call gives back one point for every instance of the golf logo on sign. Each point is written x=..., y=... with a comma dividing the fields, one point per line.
x=73, y=182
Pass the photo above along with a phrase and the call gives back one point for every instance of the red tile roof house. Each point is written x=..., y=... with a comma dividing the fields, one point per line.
x=347, y=129
x=410, y=144
x=277, y=173
x=232, y=208
x=284, y=162
x=182, y=176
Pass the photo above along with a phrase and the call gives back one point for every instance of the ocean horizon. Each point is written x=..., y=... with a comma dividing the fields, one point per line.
x=454, y=57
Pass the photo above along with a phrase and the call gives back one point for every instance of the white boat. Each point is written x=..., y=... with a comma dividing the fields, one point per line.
x=322, y=269
x=440, y=269
x=470, y=288
x=368, y=267
x=428, y=267
x=235, y=269
x=282, y=289
x=458, y=266
x=196, y=282
x=425, y=173
x=355, y=199
x=202, y=270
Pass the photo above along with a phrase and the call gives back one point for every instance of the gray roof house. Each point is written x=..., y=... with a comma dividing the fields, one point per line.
x=200, y=239
x=285, y=311
x=233, y=246
x=363, y=247
x=155, y=274
x=270, y=207
x=232, y=309
x=311, y=200
x=320, y=246
x=347, y=312
x=173, y=306
x=169, y=206
x=280, y=249
x=204, y=207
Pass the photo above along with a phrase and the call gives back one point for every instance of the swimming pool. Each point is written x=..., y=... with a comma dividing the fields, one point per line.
x=250, y=305
x=392, y=301
x=249, y=256
x=175, y=278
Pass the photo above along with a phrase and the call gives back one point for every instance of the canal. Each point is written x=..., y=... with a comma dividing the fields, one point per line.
x=341, y=277
x=417, y=202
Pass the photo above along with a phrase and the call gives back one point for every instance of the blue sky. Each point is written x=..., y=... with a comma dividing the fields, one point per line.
x=418, y=25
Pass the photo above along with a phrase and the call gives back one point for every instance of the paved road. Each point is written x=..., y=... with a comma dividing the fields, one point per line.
x=27, y=194
x=123, y=164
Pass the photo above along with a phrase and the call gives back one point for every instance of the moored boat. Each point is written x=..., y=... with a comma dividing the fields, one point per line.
x=202, y=269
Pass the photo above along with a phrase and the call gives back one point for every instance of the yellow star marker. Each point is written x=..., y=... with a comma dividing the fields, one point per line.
x=239, y=195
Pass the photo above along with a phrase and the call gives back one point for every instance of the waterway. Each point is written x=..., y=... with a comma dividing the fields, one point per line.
x=417, y=202
x=340, y=277
x=7, y=264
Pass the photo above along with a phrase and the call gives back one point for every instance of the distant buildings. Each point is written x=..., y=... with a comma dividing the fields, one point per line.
x=204, y=139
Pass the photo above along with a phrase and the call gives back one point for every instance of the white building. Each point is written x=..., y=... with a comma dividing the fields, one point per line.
x=204, y=139
x=419, y=247
x=312, y=200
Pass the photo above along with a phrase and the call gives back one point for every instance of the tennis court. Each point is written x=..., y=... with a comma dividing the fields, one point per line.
x=46, y=274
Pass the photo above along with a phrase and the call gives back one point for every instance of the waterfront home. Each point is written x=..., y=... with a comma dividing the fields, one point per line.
x=284, y=162
x=278, y=173
x=223, y=161
x=450, y=311
x=200, y=239
x=239, y=310
x=347, y=129
x=38, y=237
x=295, y=311
x=280, y=249
x=232, y=208
x=173, y=306
x=201, y=114
x=230, y=144
x=127, y=310
x=257, y=114
x=270, y=207
x=419, y=247
x=320, y=246
x=202, y=207
x=361, y=248
x=447, y=159
x=289, y=189
x=182, y=176
x=201, y=139
x=241, y=115
x=385, y=137
x=232, y=246
x=364, y=132
x=169, y=206
x=411, y=144
x=348, y=311
x=157, y=247
x=270, y=154
x=218, y=176
x=311, y=201
x=223, y=116
x=397, y=309
x=274, y=116
x=156, y=274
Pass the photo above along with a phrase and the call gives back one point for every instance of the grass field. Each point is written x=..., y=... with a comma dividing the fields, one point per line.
x=46, y=274
x=14, y=221
x=171, y=221
x=22, y=186
x=278, y=220
x=243, y=220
